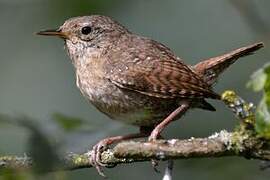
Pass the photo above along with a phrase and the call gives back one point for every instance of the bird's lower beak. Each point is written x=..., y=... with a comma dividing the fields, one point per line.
x=53, y=32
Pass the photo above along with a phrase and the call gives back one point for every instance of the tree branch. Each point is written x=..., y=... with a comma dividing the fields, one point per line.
x=243, y=142
x=218, y=145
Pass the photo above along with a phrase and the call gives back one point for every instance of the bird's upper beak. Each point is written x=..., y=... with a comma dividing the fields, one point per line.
x=53, y=32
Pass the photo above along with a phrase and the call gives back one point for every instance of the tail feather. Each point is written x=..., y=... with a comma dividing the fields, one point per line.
x=211, y=68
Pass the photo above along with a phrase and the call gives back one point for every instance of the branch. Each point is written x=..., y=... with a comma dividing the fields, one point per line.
x=218, y=145
x=243, y=142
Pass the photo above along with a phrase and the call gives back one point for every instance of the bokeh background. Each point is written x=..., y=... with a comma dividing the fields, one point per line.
x=37, y=78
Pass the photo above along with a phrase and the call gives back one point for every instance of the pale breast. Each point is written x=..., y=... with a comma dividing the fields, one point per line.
x=122, y=105
x=127, y=107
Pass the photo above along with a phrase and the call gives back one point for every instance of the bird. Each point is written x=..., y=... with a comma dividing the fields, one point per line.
x=137, y=80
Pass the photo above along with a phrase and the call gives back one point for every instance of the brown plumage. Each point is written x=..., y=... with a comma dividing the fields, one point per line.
x=137, y=80
x=155, y=71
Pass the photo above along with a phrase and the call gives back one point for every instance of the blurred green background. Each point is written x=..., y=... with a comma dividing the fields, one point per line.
x=37, y=78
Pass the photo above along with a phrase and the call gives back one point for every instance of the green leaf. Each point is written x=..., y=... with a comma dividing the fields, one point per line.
x=263, y=120
x=260, y=81
x=257, y=80
x=267, y=86
x=68, y=123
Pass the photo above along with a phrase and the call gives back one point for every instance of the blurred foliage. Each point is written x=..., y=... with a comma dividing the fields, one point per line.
x=42, y=151
x=41, y=146
x=69, y=124
x=10, y=174
x=260, y=81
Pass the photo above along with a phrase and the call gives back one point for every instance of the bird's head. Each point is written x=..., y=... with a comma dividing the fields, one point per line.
x=87, y=33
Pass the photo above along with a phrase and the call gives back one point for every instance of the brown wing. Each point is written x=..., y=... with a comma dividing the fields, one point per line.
x=153, y=70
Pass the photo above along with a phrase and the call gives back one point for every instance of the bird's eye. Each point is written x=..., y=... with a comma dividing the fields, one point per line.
x=86, y=30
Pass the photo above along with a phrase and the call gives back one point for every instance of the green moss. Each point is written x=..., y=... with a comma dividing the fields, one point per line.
x=239, y=136
x=242, y=109
x=228, y=96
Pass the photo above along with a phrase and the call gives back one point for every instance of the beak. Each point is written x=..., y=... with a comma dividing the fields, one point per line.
x=53, y=32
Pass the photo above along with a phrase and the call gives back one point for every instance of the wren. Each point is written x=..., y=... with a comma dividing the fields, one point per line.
x=135, y=79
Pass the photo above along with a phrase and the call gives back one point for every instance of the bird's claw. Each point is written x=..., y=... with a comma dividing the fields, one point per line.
x=96, y=160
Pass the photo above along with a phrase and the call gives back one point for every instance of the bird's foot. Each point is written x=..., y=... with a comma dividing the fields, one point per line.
x=95, y=159
x=102, y=145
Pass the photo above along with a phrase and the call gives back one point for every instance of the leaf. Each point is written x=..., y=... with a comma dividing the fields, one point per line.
x=257, y=80
x=68, y=123
x=263, y=120
x=267, y=86
x=260, y=81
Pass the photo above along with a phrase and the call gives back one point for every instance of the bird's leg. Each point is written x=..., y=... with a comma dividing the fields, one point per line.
x=176, y=113
x=144, y=132
x=159, y=128
x=103, y=144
